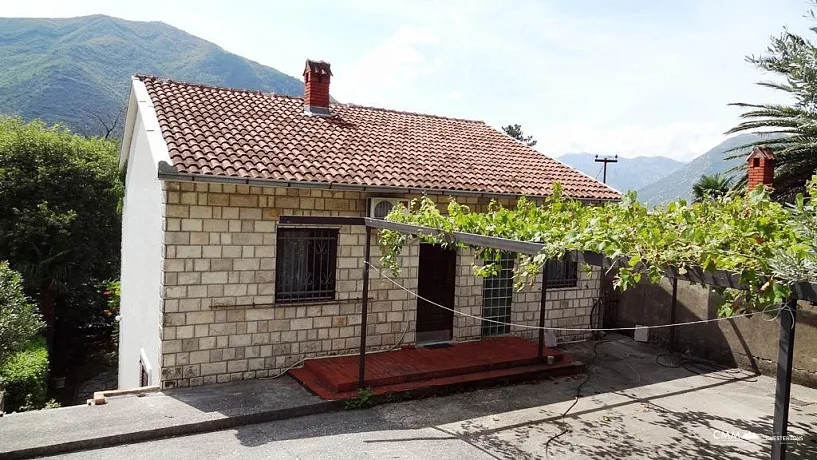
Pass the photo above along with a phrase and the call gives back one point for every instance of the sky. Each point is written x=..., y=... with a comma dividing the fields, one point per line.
x=626, y=77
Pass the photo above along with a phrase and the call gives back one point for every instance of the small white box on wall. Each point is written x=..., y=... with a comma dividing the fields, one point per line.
x=641, y=334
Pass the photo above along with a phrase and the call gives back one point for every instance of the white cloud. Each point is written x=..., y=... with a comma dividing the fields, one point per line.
x=393, y=64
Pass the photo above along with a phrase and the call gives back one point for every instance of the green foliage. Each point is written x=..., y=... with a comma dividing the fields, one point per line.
x=59, y=204
x=515, y=131
x=25, y=377
x=113, y=293
x=363, y=400
x=52, y=404
x=77, y=71
x=793, y=59
x=799, y=262
x=744, y=234
x=19, y=320
x=711, y=187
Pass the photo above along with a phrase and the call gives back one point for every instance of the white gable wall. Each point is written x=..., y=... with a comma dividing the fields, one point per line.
x=142, y=244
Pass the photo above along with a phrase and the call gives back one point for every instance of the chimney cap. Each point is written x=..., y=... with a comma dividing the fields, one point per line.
x=317, y=67
x=762, y=152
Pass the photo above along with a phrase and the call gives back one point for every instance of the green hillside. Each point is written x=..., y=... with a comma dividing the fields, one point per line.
x=73, y=70
x=679, y=183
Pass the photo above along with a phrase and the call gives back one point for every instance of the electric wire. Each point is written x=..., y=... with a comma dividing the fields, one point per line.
x=567, y=329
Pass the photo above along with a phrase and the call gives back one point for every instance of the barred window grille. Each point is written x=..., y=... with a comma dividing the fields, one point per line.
x=144, y=377
x=305, y=264
x=562, y=274
x=497, y=294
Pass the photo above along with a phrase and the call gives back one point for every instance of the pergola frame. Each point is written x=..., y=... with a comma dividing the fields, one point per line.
x=800, y=290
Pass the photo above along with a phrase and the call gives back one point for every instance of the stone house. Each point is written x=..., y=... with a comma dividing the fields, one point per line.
x=214, y=289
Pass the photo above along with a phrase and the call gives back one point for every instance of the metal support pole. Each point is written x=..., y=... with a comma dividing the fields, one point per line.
x=785, y=359
x=542, y=305
x=361, y=379
x=673, y=308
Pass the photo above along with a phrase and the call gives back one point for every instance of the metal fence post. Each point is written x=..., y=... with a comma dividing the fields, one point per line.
x=542, y=305
x=673, y=310
x=361, y=380
x=785, y=359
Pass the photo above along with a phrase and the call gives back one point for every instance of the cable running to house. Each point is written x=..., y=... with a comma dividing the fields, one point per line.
x=568, y=329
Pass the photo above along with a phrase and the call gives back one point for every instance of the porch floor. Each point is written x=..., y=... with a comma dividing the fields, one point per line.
x=429, y=369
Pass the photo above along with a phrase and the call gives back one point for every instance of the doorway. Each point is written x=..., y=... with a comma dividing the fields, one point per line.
x=436, y=281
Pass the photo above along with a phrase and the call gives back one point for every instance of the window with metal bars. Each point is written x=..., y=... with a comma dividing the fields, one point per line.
x=562, y=274
x=144, y=377
x=305, y=264
x=497, y=294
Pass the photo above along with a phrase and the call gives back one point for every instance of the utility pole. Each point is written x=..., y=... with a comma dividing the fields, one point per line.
x=606, y=160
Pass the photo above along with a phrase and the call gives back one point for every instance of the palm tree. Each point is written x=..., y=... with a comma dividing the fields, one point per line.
x=711, y=187
x=790, y=130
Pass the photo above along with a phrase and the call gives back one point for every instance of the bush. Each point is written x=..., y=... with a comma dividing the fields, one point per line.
x=25, y=376
x=19, y=320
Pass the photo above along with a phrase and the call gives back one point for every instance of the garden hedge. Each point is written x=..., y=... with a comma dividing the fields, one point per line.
x=25, y=377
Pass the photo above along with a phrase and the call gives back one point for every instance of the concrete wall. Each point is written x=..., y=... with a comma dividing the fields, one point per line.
x=221, y=321
x=751, y=343
x=142, y=254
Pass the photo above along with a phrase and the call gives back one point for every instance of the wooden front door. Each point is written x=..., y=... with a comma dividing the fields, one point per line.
x=436, y=281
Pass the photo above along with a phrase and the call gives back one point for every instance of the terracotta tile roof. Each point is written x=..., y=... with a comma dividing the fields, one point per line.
x=249, y=134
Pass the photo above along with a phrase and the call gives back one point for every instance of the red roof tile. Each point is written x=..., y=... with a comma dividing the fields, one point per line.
x=249, y=134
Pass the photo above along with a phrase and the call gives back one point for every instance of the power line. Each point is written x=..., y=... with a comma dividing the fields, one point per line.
x=606, y=160
x=597, y=174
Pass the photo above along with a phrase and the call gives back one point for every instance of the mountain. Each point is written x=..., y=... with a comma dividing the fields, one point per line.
x=628, y=173
x=679, y=183
x=78, y=70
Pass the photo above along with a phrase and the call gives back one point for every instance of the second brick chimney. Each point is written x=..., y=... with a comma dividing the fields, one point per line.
x=761, y=167
x=316, y=87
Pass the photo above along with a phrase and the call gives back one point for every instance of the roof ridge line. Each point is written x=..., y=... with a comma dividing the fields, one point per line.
x=144, y=77
x=408, y=112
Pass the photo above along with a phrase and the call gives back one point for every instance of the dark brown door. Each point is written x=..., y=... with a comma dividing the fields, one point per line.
x=436, y=281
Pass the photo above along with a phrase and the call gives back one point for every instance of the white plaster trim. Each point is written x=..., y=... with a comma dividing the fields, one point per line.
x=148, y=367
x=141, y=104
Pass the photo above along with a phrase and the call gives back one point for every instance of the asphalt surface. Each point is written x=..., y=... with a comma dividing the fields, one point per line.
x=174, y=411
x=631, y=408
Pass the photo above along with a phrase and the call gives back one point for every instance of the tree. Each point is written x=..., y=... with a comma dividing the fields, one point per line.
x=793, y=127
x=711, y=187
x=59, y=210
x=108, y=124
x=19, y=320
x=515, y=131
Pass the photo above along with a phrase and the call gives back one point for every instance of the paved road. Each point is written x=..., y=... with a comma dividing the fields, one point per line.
x=632, y=408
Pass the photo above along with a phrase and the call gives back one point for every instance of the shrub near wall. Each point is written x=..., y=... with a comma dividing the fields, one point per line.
x=25, y=377
x=23, y=354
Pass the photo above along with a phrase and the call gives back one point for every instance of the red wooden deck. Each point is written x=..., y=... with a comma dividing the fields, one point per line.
x=470, y=363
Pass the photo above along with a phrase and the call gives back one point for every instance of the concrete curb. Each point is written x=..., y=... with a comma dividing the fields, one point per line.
x=172, y=431
x=100, y=397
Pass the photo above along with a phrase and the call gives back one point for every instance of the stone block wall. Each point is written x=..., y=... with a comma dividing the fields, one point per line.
x=565, y=308
x=220, y=319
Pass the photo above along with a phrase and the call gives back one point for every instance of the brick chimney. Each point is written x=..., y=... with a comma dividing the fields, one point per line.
x=761, y=167
x=316, y=87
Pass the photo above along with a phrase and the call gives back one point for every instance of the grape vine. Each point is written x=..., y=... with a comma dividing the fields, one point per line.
x=767, y=244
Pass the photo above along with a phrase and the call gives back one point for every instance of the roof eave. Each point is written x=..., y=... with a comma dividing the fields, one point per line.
x=168, y=172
